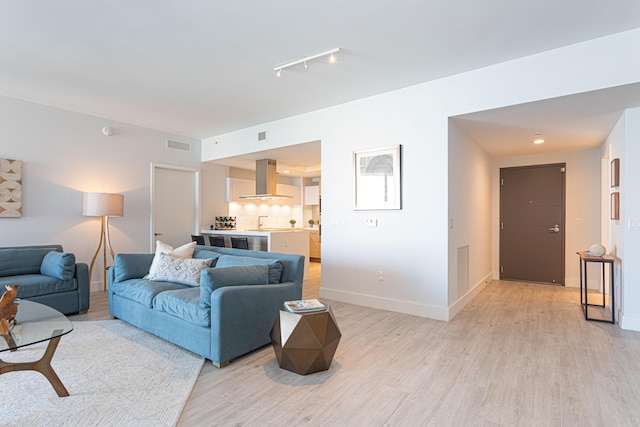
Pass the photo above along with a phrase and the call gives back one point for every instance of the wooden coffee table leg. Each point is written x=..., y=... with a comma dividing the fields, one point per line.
x=43, y=366
x=9, y=340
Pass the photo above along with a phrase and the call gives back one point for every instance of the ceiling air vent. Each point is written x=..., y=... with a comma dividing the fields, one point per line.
x=262, y=136
x=176, y=145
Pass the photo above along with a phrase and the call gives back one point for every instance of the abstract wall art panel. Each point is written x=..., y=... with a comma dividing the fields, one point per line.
x=10, y=188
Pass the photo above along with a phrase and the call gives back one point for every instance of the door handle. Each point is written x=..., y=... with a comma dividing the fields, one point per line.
x=157, y=234
x=555, y=229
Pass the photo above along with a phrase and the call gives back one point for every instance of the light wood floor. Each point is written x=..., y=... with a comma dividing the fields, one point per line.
x=519, y=354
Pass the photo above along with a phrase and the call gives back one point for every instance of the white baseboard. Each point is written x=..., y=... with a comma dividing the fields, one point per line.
x=630, y=323
x=457, y=306
x=407, y=307
x=96, y=287
x=572, y=282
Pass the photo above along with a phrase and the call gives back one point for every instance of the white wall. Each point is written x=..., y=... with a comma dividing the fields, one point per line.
x=625, y=241
x=630, y=211
x=354, y=252
x=614, y=148
x=582, y=203
x=469, y=218
x=410, y=245
x=65, y=154
x=213, y=200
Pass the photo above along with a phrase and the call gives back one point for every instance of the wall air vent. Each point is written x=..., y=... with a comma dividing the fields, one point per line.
x=262, y=136
x=177, y=145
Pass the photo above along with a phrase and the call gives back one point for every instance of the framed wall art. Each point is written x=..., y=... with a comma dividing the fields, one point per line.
x=615, y=205
x=615, y=173
x=10, y=188
x=378, y=178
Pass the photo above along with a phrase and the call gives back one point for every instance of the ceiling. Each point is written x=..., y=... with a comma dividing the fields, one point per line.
x=300, y=160
x=200, y=68
x=567, y=123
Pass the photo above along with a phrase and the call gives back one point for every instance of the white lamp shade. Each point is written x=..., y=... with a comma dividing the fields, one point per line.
x=103, y=204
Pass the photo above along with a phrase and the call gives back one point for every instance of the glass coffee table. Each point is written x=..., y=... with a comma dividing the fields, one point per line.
x=36, y=323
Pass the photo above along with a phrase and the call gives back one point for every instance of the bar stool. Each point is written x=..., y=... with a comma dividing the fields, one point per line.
x=240, y=242
x=198, y=239
x=216, y=241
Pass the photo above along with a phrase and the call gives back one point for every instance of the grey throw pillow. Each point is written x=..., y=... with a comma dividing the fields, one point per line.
x=275, y=265
x=214, y=278
x=185, y=271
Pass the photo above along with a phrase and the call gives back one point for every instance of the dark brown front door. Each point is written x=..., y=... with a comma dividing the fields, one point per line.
x=532, y=223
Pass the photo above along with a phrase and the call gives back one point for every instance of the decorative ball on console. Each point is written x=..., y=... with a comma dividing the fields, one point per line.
x=597, y=250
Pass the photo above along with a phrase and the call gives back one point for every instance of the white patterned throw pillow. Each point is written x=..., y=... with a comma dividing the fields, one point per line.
x=180, y=270
x=184, y=251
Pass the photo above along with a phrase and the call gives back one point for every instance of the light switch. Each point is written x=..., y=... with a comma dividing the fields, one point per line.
x=372, y=222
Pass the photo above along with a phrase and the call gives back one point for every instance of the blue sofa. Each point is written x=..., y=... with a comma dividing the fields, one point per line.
x=231, y=311
x=48, y=275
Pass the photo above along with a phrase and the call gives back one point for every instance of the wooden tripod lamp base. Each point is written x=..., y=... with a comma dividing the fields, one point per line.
x=103, y=205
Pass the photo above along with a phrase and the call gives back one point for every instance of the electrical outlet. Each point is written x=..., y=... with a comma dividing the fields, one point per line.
x=381, y=276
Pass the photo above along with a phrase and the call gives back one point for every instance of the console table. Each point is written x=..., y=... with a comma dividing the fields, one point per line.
x=585, y=259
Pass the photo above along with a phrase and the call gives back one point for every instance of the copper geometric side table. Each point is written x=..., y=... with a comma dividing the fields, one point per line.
x=305, y=343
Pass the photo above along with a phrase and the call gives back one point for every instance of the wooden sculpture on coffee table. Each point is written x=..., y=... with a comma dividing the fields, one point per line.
x=8, y=308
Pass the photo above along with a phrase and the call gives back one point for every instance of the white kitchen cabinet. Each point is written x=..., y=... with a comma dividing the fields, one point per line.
x=289, y=190
x=312, y=195
x=237, y=187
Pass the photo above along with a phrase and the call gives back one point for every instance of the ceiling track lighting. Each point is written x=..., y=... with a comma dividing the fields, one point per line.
x=330, y=53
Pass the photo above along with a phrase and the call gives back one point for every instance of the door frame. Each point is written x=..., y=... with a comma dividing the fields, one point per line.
x=196, y=199
x=564, y=218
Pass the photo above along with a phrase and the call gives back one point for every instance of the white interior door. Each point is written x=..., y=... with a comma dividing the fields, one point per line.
x=175, y=204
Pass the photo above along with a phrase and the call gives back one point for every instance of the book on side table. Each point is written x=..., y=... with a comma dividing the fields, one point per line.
x=304, y=306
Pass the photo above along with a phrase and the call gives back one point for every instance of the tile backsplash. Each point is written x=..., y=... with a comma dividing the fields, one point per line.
x=278, y=216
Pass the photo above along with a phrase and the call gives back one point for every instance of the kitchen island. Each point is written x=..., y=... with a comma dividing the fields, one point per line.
x=281, y=240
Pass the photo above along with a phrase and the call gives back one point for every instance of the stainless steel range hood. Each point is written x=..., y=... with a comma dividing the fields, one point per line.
x=265, y=181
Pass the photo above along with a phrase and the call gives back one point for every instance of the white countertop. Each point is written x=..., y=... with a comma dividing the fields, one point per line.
x=264, y=232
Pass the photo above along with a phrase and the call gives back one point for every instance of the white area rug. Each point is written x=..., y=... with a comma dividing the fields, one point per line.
x=116, y=375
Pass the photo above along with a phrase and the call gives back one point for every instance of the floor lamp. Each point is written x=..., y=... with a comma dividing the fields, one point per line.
x=103, y=205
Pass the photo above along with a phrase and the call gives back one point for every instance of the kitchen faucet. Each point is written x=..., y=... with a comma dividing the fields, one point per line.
x=260, y=223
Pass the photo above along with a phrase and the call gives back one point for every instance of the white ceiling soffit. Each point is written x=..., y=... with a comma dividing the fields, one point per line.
x=301, y=160
x=202, y=68
x=567, y=123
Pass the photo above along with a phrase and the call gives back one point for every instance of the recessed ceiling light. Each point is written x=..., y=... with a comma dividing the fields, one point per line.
x=538, y=139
